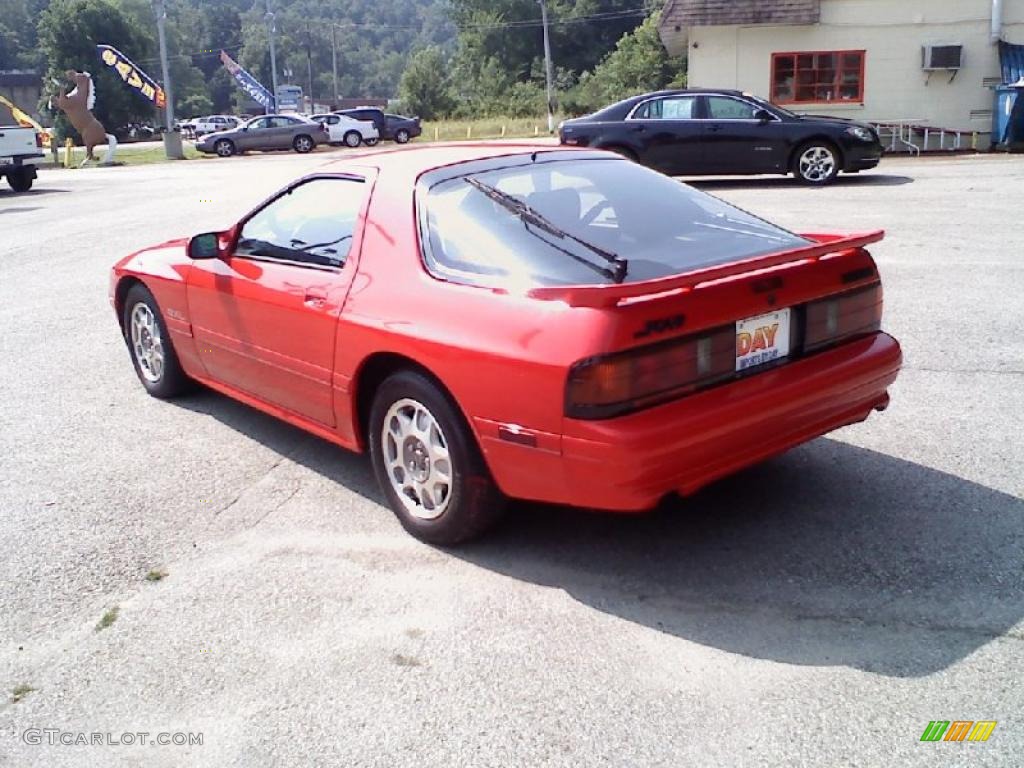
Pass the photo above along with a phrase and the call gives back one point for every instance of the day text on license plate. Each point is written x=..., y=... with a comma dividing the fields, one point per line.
x=761, y=339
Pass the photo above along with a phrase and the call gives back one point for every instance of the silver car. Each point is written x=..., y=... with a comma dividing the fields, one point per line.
x=264, y=133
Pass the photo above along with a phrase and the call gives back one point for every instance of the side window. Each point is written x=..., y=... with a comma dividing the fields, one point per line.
x=723, y=108
x=260, y=124
x=679, y=108
x=333, y=120
x=312, y=223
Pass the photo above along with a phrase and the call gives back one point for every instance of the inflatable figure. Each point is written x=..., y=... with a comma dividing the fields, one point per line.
x=78, y=105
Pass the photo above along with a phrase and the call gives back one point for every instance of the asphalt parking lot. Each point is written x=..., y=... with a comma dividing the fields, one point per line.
x=819, y=609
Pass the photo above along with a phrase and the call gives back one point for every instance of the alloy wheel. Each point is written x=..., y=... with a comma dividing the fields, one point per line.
x=817, y=164
x=147, y=345
x=417, y=459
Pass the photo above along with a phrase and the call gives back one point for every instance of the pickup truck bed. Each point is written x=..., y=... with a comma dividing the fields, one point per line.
x=20, y=150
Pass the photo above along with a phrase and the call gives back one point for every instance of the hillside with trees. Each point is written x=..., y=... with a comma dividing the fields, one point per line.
x=460, y=58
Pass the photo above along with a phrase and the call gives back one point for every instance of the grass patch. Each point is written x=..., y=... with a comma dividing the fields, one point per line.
x=486, y=128
x=127, y=154
x=156, y=575
x=20, y=692
x=107, y=618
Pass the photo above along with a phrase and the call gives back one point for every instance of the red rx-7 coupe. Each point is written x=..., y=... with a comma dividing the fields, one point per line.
x=509, y=321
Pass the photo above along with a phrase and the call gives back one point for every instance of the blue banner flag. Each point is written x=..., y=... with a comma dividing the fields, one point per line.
x=133, y=77
x=248, y=83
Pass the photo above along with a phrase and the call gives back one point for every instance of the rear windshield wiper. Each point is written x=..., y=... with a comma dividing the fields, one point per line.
x=530, y=217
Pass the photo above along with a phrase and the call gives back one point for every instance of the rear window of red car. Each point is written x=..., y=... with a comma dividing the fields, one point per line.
x=560, y=222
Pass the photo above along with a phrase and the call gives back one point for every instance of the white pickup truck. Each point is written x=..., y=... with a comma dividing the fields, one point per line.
x=20, y=150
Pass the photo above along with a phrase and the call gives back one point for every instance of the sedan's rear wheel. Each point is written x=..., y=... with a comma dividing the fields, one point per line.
x=224, y=147
x=303, y=144
x=816, y=163
x=150, y=345
x=371, y=142
x=428, y=464
x=353, y=139
x=402, y=136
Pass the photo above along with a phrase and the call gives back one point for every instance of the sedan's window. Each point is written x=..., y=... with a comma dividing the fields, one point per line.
x=258, y=123
x=678, y=108
x=312, y=223
x=724, y=108
x=658, y=225
x=283, y=122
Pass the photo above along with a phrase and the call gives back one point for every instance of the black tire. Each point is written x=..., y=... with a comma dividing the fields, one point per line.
x=817, y=163
x=20, y=180
x=473, y=502
x=303, y=144
x=224, y=148
x=371, y=142
x=172, y=380
x=402, y=136
x=352, y=139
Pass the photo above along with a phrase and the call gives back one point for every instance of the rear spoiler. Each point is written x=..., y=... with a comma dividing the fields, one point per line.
x=610, y=295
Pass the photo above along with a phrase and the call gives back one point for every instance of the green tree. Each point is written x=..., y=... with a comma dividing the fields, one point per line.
x=638, y=64
x=69, y=31
x=424, y=88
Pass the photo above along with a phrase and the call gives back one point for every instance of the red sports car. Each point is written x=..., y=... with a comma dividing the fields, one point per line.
x=541, y=323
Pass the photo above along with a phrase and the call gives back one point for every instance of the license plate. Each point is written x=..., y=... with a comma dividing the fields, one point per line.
x=761, y=339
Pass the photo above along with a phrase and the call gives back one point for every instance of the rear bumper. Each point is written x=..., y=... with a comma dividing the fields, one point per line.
x=630, y=463
x=12, y=162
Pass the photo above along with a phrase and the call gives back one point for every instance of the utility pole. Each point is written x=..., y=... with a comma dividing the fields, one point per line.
x=547, y=65
x=334, y=61
x=309, y=69
x=172, y=140
x=272, y=29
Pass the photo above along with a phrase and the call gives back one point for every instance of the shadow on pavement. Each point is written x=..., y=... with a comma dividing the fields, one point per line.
x=783, y=182
x=829, y=555
x=9, y=194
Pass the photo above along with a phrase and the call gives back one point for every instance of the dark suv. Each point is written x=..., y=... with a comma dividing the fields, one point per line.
x=394, y=127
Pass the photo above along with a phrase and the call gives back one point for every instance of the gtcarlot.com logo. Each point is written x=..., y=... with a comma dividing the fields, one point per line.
x=958, y=730
x=56, y=736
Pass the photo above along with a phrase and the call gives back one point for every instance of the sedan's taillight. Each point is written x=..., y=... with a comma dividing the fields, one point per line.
x=843, y=316
x=39, y=140
x=609, y=385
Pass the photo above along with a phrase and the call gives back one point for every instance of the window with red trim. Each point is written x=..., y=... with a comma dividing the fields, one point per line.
x=815, y=77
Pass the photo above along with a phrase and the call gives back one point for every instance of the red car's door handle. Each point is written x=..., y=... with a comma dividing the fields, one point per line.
x=314, y=299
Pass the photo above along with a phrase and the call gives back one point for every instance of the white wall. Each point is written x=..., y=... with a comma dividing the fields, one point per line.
x=892, y=33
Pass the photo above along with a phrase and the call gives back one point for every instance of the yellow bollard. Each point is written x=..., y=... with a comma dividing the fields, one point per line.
x=469, y=131
x=503, y=131
x=69, y=148
x=436, y=133
x=536, y=130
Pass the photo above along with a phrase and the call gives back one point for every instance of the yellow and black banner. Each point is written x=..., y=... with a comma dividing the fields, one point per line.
x=133, y=77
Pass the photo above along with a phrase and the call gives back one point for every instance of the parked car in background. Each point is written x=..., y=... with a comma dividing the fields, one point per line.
x=346, y=130
x=266, y=133
x=392, y=127
x=718, y=132
x=187, y=127
x=631, y=337
x=214, y=123
x=21, y=149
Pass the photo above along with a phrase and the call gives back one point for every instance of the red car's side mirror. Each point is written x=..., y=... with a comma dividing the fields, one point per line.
x=205, y=246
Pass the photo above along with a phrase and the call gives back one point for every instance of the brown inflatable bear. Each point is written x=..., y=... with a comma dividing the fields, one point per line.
x=78, y=105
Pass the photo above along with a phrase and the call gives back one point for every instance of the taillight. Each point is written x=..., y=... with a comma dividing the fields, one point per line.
x=39, y=140
x=843, y=316
x=606, y=386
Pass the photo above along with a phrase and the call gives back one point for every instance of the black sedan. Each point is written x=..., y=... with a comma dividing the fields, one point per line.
x=393, y=127
x=705, y=132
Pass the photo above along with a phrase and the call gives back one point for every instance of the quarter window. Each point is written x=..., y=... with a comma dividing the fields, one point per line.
x=818, y=77
x=312, y=223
